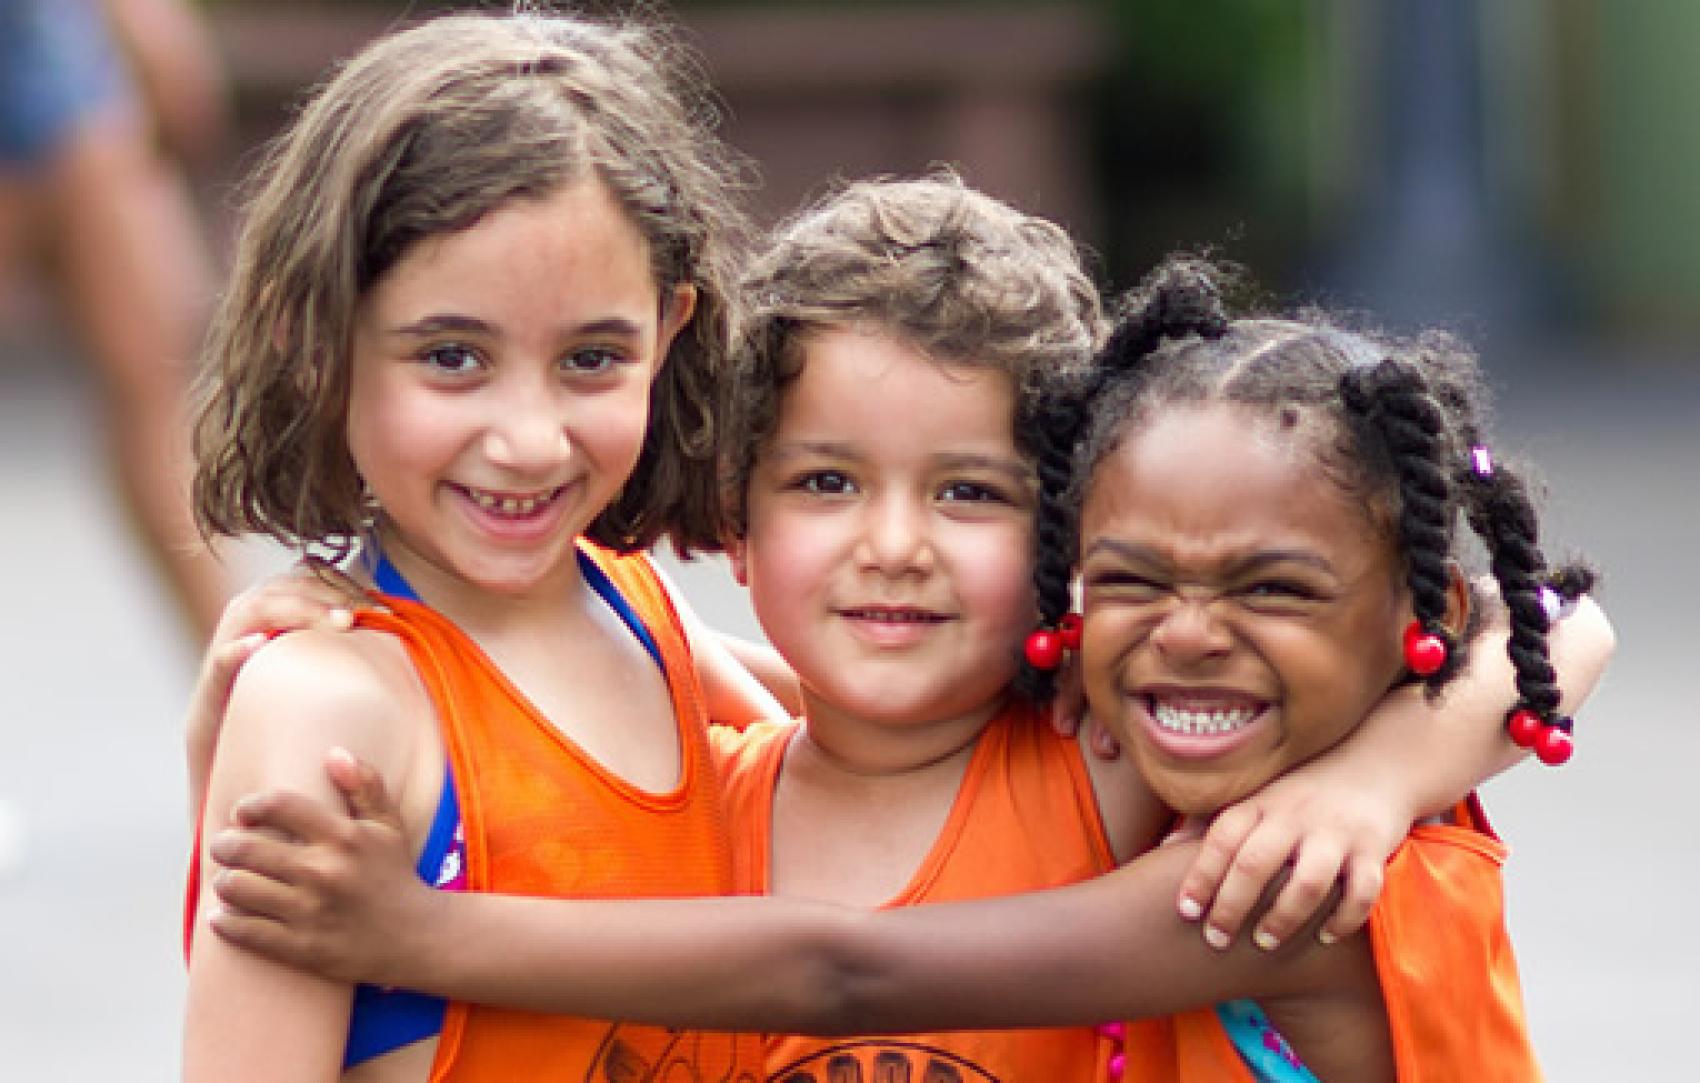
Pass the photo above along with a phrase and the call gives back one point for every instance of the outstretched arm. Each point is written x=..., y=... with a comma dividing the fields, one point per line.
x=343, y=901
x=1339, y=817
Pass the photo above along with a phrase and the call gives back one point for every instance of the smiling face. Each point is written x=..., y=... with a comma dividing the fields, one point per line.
x=500, y=388
x=1242, y=612
x=888, y=543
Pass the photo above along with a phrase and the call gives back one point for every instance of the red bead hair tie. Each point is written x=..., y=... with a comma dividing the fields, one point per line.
x=1045, y=647
x=1551, y=741
x=1425, y=651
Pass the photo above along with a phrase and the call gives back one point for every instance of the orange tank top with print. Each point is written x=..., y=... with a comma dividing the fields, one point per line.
x=541, y=817
x=1024, y=818
x=1443, y=956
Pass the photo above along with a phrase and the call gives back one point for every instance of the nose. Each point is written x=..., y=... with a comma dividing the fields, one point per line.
x=895, y=538
x=1190, y=631
x=527, y=431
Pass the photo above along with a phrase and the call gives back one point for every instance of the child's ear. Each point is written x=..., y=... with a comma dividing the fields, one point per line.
x=1457, y=599
x=736, y=549
x=677, y=308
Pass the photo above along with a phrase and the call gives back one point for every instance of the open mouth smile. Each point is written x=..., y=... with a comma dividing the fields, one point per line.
x=511, y=505
x=1201, y=716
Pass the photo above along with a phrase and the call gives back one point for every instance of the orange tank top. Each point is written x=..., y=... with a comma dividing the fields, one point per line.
x=1442, y=954
x=1024, y=818
x=541, y=817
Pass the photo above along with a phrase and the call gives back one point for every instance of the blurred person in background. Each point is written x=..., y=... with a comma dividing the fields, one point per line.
x=103, y=103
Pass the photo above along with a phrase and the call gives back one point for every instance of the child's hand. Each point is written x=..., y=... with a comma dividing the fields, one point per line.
x=1326, y=830
x=1068, y=713
x=307, y=596
x=337, y=895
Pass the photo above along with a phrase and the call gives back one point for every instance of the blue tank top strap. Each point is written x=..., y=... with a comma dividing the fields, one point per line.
x=1260, y=1045
x=603, y=586
x=382, y=1020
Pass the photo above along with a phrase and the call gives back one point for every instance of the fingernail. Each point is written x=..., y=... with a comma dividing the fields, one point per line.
x=1191, y=909
x=219, y=846
x=1326, y=936
x=1265, y=939
x=342, y=618
x=1216, y=938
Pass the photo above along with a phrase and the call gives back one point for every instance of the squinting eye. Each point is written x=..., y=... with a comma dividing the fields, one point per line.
x=591, y=360
x=1280, y=589
x=1125, y=585
x=826, y=483
x=451, y=357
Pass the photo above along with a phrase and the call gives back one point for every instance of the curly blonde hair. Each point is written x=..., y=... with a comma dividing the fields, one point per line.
x=963, y=277
x=424, y=132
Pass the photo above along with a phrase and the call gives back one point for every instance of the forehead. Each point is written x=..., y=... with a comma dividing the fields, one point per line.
x=874, y=384
x=1214, y=481
x=572, y=249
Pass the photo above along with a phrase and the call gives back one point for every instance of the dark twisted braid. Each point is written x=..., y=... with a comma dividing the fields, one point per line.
x=1391, y=404
x=1060, y=415
x=1181, y=299
x=1501, y=512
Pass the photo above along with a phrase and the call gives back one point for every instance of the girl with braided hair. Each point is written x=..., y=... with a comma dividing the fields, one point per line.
x=1113, y=947
x=1268, y=517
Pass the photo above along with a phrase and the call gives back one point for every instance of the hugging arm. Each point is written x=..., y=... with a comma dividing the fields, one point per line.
x=1339, y=817
x=343, y=901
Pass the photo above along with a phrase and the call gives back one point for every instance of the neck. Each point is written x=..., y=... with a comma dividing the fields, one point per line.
x=481, y=613
x=844, y=743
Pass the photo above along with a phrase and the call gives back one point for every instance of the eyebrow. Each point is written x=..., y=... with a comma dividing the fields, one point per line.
x=1014, y=469
x=837, y=449
x=796, y=449
x=471, y=325
x=1254, y=562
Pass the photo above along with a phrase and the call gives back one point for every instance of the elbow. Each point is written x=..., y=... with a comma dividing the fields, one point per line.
x=842, y=986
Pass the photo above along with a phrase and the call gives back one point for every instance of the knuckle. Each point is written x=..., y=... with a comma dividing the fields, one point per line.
x=1305, y=893
x=1256, y=861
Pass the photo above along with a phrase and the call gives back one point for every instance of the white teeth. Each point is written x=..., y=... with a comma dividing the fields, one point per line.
x=894, y=616
x=1196, y=722
x=509, y=505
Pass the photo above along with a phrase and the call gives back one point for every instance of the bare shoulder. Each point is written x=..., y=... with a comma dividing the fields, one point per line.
x=312, y=690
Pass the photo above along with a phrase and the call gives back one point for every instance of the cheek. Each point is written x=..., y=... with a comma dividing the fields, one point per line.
x=620, y=428
x=1103, y=643
x=786, y=556
x=996, y=575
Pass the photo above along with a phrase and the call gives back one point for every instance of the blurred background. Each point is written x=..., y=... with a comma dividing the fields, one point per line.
x=1525, y=172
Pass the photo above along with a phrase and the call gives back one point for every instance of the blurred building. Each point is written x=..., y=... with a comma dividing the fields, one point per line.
x=1518, y=169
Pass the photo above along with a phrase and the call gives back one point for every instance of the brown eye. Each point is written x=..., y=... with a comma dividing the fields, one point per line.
x=826, y=483
x=451, y=357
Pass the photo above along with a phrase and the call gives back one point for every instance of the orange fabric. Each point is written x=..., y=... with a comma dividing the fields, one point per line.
x=1024, y=818
x=1454, y=1003
x=543, y=818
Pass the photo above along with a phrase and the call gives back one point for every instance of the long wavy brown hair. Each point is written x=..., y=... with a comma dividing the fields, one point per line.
x=422, y=133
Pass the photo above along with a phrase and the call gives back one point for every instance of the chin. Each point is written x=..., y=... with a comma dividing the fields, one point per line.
x=1201, y=791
